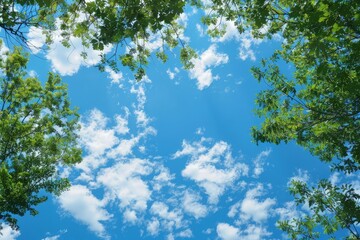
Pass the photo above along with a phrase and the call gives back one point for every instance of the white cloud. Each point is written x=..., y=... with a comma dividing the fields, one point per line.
x=185, y=234
x=153, y=227
x=200, y=29
x=254, y=232
x=252, y=208
x=183, y=19
x=123, y=182
x=172, y=74
x=65, y=61
x=55, y=237
x=170, y=236
x=130, y=216
x=192, y=206
x=170, y=219
x=234, y=209
x=124, y=148
x=302, y=176
x=193, y=149
x=356, y=185
x=231, y=31
x=103, y=143
x=115, y=77
x=141, y=119
x=36, y=39
x=227, y=232
x=7, y=233
x=335, y=178
x=94, y=135
x=85, y=207
x=122, y=122
x=3, y=53
x=163, y=178
x=251, y=232
x=211, y=168
x=288, y=212
x=96, y=139
x=246, y=39
x=3, y=49
x=33, y=73
x=259, y=163
x=202, y=66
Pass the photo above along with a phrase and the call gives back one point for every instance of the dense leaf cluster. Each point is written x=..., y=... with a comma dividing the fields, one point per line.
x=101, y=23
x=318, y=106
x=37, y=135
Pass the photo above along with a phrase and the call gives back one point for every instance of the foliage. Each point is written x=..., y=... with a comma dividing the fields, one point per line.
x=37, y=135
x=18, y=15
x=319, y=105
x=101, y=23
x=332, y=207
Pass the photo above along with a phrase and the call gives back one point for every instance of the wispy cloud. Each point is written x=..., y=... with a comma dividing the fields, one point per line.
x=259, y=163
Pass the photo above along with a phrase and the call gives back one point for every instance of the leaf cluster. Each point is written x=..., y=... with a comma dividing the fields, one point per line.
x=318, y=106
x=37, y=135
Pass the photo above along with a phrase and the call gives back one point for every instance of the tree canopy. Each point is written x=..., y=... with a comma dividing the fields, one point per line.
x=37, y=136
x=100, y=23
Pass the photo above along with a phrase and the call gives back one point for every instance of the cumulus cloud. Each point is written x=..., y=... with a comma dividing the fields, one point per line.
x=65, y=61
x=192, y=206
x=162, y=178
x=102, y=143
x=85, y=207
x=130, y=216
x=202, y=66
x=212, y=168
x=123, y=182
x=7, y=233
x=36, y=39
x=95, y=137
x=153, y=227
x=251, y=232
x=252, y=208
x=227, y=232
x=170, y=218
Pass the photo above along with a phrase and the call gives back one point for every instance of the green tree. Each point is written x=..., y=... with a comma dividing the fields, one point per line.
x=98, y=23
x=37, y=135
x=333, y=207
x=18, y=15
x=318, y=105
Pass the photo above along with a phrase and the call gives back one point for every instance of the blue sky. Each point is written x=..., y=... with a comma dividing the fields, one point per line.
x=170, y=157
